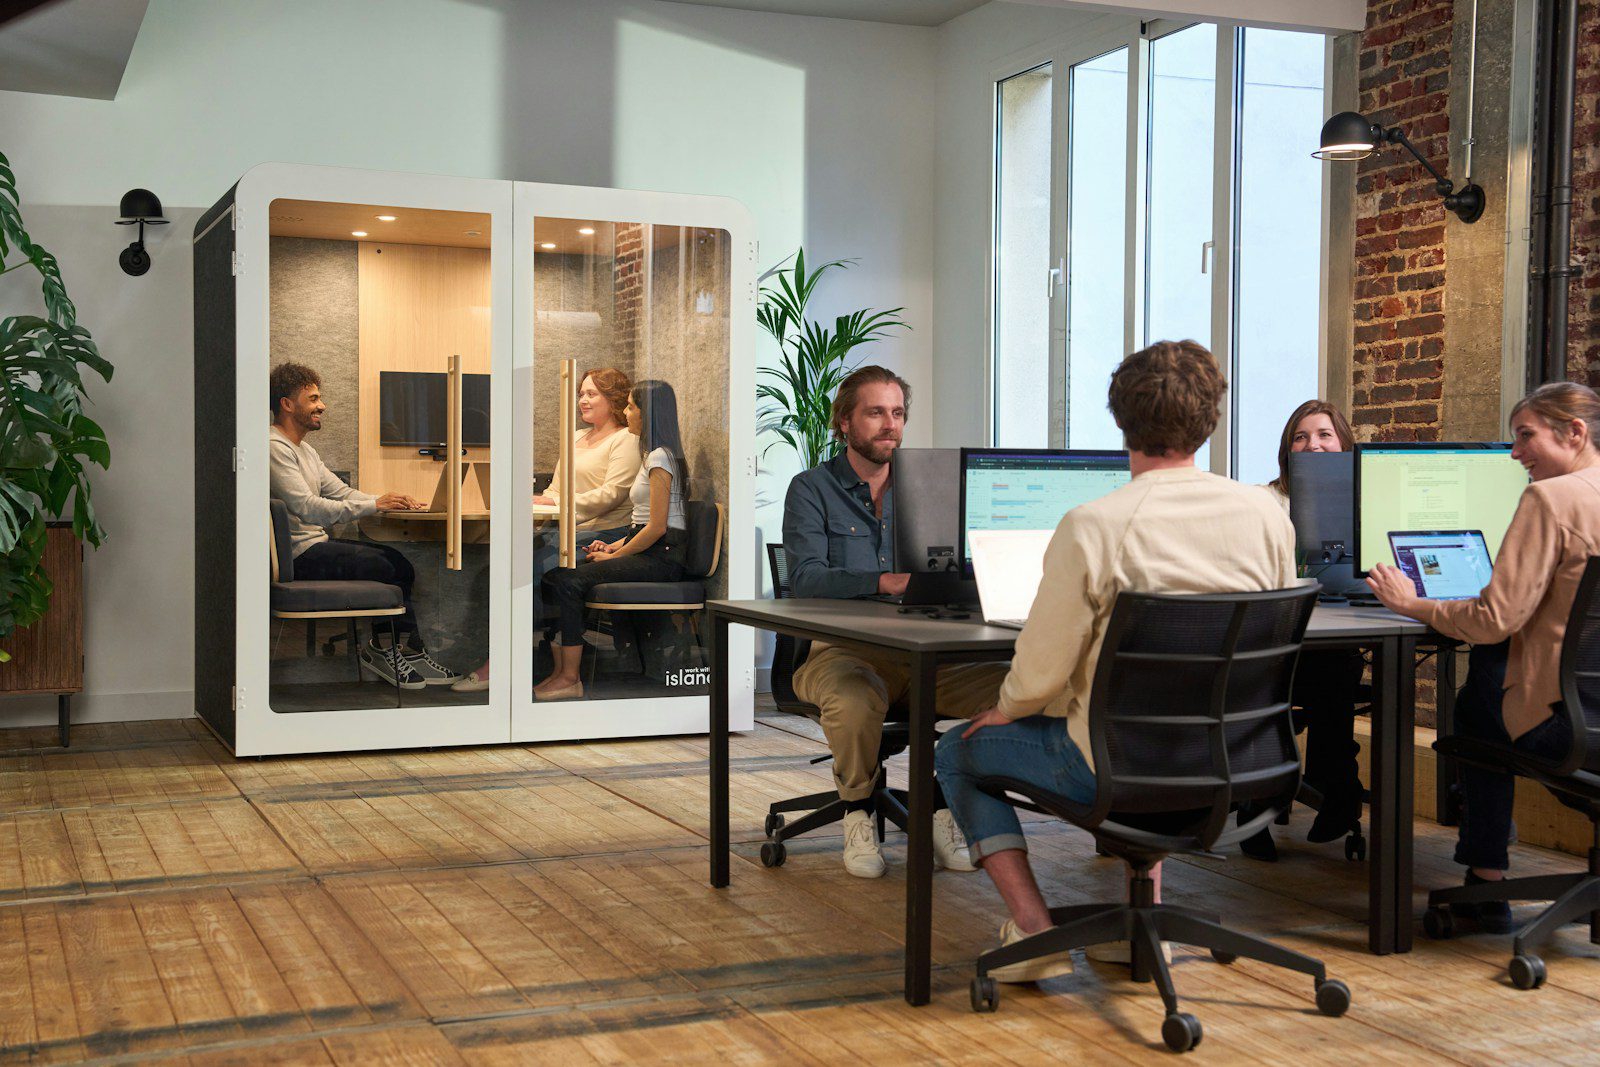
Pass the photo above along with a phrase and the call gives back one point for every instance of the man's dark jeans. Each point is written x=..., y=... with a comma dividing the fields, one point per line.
x=341, y=560
x=1486, y=796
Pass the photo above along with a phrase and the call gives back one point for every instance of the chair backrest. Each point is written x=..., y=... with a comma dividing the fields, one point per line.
x=1580, y=672
x=281, y=548
x=787, y=652
x=1190, y=710
x=703, y=550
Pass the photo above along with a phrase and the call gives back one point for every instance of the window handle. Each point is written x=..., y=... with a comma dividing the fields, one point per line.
x=1206, y=248
x=1057, y=273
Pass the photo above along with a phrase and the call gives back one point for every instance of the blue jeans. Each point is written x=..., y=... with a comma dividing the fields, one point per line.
x=1035, y=750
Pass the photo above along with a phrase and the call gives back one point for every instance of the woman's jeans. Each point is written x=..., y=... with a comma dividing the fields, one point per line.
x=1486, y=796
x=1036, y=750
x=661, y=562
x=547, y=554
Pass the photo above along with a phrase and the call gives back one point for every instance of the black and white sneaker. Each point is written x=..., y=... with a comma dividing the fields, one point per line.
x=389, y=665
x=432, y=671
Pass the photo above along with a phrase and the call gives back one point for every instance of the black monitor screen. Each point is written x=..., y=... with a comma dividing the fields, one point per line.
x=411, y=409
x=1031, y=489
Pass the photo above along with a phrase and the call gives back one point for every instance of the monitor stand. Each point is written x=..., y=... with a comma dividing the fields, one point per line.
x=938, y=588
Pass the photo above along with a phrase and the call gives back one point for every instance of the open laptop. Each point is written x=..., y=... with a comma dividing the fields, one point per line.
x=1009, y=565
x=1443, y=564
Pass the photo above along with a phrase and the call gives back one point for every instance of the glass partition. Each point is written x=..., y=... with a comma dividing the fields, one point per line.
x=378, y=443
x=640, y=314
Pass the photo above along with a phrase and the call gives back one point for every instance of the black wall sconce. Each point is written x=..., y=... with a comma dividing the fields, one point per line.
x=143, y=207
x=1348, y=135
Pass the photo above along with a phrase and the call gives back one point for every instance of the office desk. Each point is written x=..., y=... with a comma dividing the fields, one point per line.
x=928, y=644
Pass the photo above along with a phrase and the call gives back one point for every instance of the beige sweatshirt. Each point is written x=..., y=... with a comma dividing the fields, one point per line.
x=317, y=500
x=1536, y=573
x=601, y=478
x=1167, y=531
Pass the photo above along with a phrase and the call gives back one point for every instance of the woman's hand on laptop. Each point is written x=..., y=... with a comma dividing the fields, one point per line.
x=1391, y=586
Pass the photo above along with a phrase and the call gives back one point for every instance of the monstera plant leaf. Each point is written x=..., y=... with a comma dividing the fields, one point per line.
x=47, y=442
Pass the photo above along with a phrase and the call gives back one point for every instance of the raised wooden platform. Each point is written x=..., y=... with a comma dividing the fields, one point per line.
x=163, y=902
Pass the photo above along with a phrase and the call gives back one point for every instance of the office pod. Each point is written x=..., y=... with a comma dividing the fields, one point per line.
x=464, y=459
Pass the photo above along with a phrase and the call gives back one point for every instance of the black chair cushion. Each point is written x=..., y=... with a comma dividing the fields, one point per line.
x=667, y=594
x=700, y=550
x=334, y=596
x=1581, y=785
x=280, y=540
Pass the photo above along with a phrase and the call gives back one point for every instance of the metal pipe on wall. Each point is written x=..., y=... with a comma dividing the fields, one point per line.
x=1550, y=269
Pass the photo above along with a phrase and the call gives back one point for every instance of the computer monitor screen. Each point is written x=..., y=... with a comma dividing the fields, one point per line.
x=1401, y=487
x=1030, y=489
x=411, y=409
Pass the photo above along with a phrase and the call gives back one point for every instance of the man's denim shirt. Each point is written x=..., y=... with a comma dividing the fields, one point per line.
x=835, y=543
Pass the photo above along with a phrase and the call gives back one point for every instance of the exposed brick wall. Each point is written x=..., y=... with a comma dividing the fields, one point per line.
x=1583, y=324
x=1398, y=374
x=628, y=292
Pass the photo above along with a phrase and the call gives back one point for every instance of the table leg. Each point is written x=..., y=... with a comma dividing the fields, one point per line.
x=1445, y=724
x=919, y=850
x=1405, y=729
x=64, y=718
x=1381, y=867
x=717, y=742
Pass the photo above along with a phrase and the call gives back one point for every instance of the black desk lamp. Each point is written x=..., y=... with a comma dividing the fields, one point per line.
x=1348, y=135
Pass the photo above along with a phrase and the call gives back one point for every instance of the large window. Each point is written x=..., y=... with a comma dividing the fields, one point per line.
x=1192, y=210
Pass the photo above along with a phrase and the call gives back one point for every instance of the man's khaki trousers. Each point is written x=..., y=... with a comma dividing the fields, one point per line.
x=854, y=689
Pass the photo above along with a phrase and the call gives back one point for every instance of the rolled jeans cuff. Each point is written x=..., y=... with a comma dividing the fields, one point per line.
x=979, y=850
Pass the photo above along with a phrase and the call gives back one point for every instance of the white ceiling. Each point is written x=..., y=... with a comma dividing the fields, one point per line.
x=70, y=47
x=904, y=12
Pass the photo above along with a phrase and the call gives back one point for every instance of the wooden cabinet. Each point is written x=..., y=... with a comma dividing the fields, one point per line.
x=47, y=657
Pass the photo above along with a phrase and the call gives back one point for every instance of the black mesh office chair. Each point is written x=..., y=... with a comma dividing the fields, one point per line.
x=823, y=809
x=1575, y=781
x=1189, y=716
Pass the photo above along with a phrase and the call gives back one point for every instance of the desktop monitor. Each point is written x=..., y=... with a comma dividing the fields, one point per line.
x=1030, y=488
x=927, y=506
x=411, y=409
x=1321, y=506
x=1409, y=487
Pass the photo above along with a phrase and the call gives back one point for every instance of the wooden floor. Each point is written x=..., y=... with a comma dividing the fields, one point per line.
x=161, y=902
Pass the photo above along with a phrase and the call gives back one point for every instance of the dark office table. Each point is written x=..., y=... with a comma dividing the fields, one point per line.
x=929, y=644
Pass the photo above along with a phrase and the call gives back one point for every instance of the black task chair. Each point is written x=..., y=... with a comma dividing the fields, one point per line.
x=311, y=600
x=1189, y=716
x=702, y=556
x=823, y=809
x=1575, y=781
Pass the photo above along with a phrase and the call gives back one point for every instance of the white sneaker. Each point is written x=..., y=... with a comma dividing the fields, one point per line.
x=469, y=683
x=862, y=857
x=1036, y=970
x=949, y=846
x=387, y=664
x=1120, y=952
x=432, y=671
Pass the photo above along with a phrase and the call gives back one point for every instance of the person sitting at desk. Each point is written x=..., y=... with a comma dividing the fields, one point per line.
x=650, y=550
x=1513, y=688
x=1326, y=682
x=838, y=536
x=605, y=466
x=1172, y=529
x=317, y=501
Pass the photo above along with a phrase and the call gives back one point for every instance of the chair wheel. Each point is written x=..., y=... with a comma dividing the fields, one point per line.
x=773, y=854
x=1181, y=1031
x=1355, y=848
x=1333, y=997
x=1223, y=958
x=985, y=994
x=774, y=822
x=1438, y=923
x=1527, y=972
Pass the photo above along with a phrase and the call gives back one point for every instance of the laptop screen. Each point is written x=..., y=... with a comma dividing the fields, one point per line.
x=1443, y=564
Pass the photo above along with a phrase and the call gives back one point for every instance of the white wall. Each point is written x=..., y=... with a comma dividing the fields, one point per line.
x=825, y=128
x=972, y=50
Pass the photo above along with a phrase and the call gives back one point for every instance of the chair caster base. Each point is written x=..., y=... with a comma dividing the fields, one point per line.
x=774, y=822
x=773, y=854
x=1181, y=1031
x=985, y=994
x=1333, y=997
x=1438, y=923
x=1527, y=971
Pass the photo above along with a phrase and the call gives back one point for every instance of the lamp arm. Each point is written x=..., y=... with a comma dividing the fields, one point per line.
x=1395, y=135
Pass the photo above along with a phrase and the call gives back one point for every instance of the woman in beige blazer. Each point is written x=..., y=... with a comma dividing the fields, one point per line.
x=1517, y=623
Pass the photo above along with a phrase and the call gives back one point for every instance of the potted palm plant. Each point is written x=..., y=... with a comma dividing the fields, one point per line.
x=813, y=359
x=46, y=444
